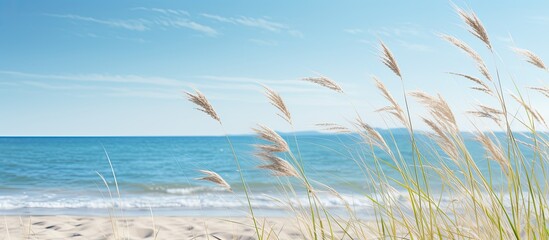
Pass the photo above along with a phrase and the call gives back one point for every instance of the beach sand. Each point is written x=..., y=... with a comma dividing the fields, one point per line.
x=85, y=227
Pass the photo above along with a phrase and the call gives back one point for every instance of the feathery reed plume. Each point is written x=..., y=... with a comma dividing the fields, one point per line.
x=334, y=127
x=215, y=178
x=203, y=104
x=482, y=86
x=277, y=101
x=438, y=108
x=277, y=165
x=475, y=26
x=325, y=82
x=472, y=53
x=494, y=152
x=369, y=134
x=534, y=113
x=488, y=112
x=531, y=58
x=542, y=90
x=278, y=144
x=388, y=59
x=394, y=108
x=443, y=122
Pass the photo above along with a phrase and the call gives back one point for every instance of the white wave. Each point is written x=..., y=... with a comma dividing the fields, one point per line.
x=191, y=190
x=187, y=199
x=184, y=201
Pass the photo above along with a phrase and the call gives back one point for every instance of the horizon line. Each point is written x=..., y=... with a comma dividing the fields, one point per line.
x=304, y=133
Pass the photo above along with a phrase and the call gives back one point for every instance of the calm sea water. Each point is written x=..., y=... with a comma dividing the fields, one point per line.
x=61, y=175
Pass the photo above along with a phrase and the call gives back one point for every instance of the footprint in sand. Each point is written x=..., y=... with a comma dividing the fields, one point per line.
x=144, y=232
x=53, y=227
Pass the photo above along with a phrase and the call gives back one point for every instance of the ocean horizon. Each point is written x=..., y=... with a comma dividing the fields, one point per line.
x=63, y=175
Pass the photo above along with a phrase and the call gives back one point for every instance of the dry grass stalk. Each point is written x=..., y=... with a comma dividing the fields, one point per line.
x=483, y=87
x=528, y=138
x=389, y=60
x=333, y=127
x=277, y=101
x=325, y=82
x=394, y=108
x=526, y=144
x=215, y=178
x=472, y=53
x=333, y=192
x=277, y=165
x=278, y=144
x=531, y=58
x=542, y=120
x=203, y=104
x=532, y=112
x=371, y=135
x=542, y=90
x=475, y=26
x=494, y=152
x=488, y=112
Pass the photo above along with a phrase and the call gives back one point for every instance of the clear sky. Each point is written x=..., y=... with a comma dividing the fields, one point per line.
x=121, y=67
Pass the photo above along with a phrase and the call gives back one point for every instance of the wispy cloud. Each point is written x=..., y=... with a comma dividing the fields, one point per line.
x=353, y=30
x=164, y=19
x=161, y=81
x=109, y=91
x=254, y=84
x=117, y=81
x=164, y=11
x=296, y=33
x=218, y=18
x=96, y=36
x=250, y=22
x=59, y=86
x=261, y=23
x=540, y=19
x=158, y=94
x=130, y=24
x=185, y=23
x=233, y=79
x=406, y=35
x=255, y=87
x=161, y=18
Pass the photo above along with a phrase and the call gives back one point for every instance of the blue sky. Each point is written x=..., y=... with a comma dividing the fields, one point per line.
x=121, y=68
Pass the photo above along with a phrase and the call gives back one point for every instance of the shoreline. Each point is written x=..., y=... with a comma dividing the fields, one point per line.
x=144, y=212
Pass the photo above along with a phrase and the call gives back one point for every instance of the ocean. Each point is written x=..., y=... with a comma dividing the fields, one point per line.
x=63, y=175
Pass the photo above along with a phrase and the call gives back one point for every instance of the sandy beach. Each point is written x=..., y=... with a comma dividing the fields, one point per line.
x=85, y=227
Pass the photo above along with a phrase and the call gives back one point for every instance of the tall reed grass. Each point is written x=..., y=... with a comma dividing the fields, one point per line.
x=480, y=209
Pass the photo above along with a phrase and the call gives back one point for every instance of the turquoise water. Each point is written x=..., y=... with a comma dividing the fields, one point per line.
x=60, y=175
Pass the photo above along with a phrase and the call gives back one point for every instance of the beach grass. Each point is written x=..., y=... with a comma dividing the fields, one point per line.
x=479, y=209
